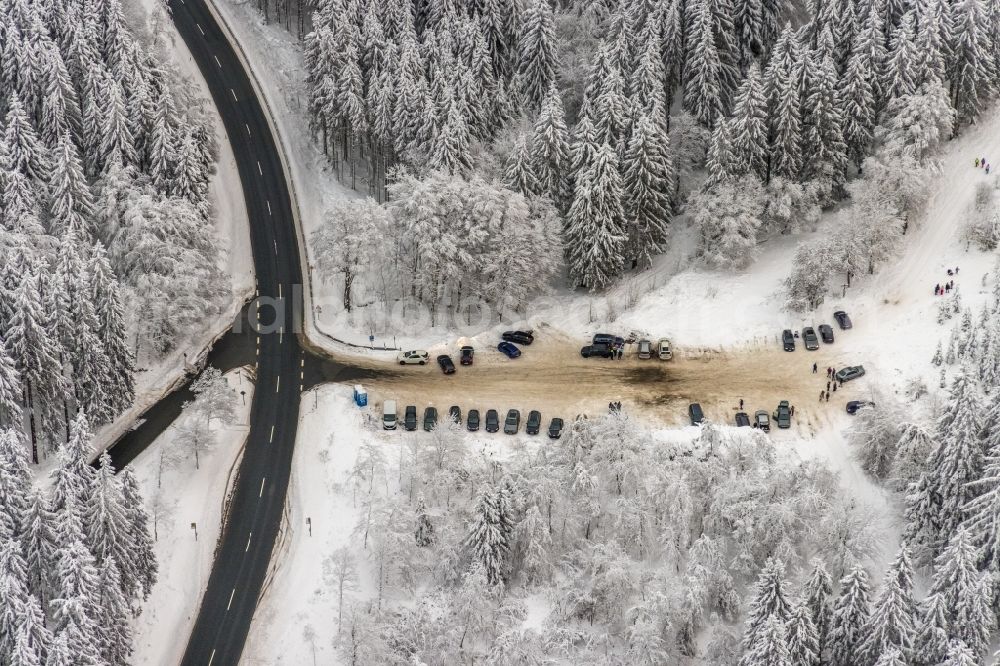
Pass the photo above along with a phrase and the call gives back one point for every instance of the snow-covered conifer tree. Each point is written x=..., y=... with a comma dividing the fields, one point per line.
x=769, y=601
x=901, y=66
x=823, y=128
x=972, y=63
x=537, y=52
x=893, y=618
x=490, y=536
x=851, y=615
x=550, y=156
x=803, y=641
x=748, y=125
x=519, y=174
x=71, y=205
x=595, y=230
x=935, y=504
x=649, y=176
x=140, y=541
x=424, y=535
x=858, y=103
x=704, y=96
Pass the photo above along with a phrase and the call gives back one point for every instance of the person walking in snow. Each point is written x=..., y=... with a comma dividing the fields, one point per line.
x=741, y=404
x=977, y=162
x=956, y=270
x=821, y=396
x=791, y=410
x=828, y=386
x=937, y=288
x=815, y=368
x=835, y=387
x=828, y=396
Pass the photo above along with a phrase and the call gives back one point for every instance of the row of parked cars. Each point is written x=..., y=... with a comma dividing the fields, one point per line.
x=782, y=417
x=467, y=353
x=604, y=345
x=810, y=339
x=473, y=420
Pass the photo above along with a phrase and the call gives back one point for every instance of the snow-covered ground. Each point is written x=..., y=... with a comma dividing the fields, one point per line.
x=158, y=377
x=178, y=495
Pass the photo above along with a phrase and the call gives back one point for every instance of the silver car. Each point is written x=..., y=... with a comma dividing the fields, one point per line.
x=645, y=349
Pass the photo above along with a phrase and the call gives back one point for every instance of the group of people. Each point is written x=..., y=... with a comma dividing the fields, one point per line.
x=981, y=163
x=831, y=382
x=940, y=290
x=615, y=406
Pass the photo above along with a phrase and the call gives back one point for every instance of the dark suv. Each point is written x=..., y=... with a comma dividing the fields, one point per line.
x=512, y=423
x=555, y=428
x=534, y=422
x=473, y=420
x=430, y=418
x=607, y=339
x=599, y=349
x=492, y=421
x=788, y=340
x=410, y=418
x=520, y=337
x=694, y=411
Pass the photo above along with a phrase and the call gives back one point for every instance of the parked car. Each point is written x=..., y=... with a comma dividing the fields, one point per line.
x=600, y=349
x=512, y=423
x=694, y=411
x=854, y=405
x=508, y=349
x=763, y=420
x=534, y=422
x=492, y=421
x=520, y=337
x=447, y=366
x=465, y=355
x=826, y=333
x=430, y=418
x=472, y=421
x=389, y=415
x=783, y=415
x=842, y=320
x=664, y=349
x=416, y=357
x=742, y=420
x=788, y=340
x=555, y=428
x=850, y=372
x=410, y=418
x=607, y=339
x=455, y=413
x=809, y=338
x=645, y=349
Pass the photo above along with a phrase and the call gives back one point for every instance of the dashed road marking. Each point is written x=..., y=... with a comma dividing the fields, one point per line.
x=200, y=30
x=259, y=169
x=211, y=656
x=261, y=493
x=248, y=543
x=268, y=206
x=231, y=595
x=217, y=61
x=234, y=94
x=277, y=384
x=272, y=435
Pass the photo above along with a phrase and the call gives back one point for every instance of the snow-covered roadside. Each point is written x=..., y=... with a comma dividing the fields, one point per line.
x=181, y=496
x=232, y=228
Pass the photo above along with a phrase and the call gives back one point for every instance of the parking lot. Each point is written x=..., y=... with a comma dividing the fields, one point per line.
x=551, y=377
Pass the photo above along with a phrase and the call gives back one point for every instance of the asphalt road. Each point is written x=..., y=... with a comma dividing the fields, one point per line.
x=243, y=556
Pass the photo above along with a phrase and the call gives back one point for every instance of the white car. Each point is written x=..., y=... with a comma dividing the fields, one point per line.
x=663, y=350
x=416, y=357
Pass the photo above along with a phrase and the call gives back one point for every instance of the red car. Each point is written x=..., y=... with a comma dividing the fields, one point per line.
x=465, y=355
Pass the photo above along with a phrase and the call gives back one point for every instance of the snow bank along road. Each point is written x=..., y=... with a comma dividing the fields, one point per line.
x=258, y=498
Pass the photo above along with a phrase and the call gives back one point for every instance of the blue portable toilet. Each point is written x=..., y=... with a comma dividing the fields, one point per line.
x=360, y=396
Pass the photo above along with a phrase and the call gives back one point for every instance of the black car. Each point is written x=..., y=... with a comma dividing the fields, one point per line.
x=410, y=418
x=492, y=420
x=555, y=428
x=430, y=418
x=534, y=422
x=849, y=373
x=842, y=320
x=742, y=420
x=694, y=411
x=854, y=405
x=512, y=423
x=520, y=337
x=465, y=355
x=447, y=366
x=455, y=413
x=826, y=333
x=472, y=422
x=809, y=338
x=600, y=349
x=788, y=340
x=607, y=339
x=762, y=420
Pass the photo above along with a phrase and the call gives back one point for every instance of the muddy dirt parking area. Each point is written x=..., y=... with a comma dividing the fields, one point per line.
x=552, y=377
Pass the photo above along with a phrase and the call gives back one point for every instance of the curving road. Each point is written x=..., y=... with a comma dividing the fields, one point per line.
x=244, y=553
